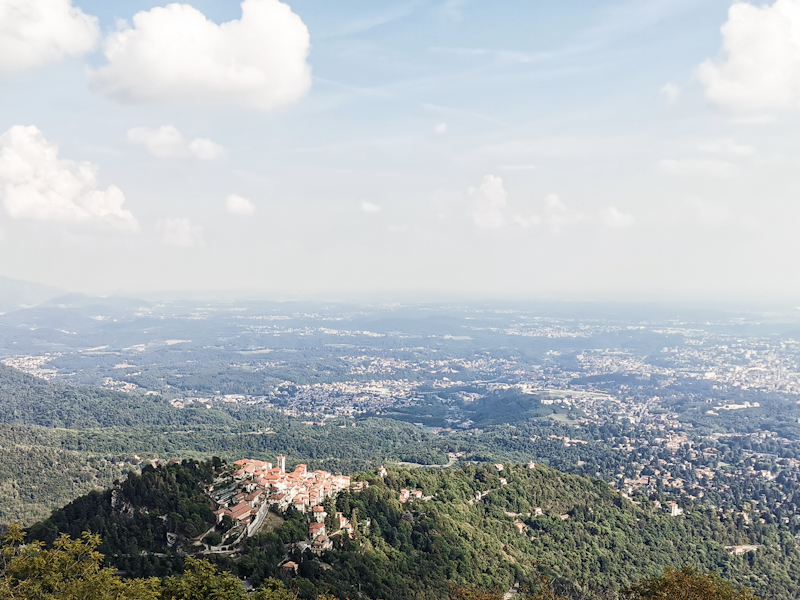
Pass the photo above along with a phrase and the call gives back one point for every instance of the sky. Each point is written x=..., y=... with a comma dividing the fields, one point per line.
x=576, y=150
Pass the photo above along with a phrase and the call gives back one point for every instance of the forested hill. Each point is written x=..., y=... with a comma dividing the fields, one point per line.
x=28, y=400
x=34, y=412
x=470, y=528
x=142, y=518
x=588, y=537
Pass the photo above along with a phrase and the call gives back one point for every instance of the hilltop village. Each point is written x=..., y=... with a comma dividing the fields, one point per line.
x=244, y=498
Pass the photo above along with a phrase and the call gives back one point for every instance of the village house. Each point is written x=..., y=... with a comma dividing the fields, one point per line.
x=319, y=514
x=289, y=568
x=344, y=524
x=741, y=550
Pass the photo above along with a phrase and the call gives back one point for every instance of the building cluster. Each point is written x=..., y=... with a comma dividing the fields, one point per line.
x=705, y=357
x=33, y=365
x=673, y=508
x=110, y=383
x=406, y=495
x=742, y=550
x=257, y=486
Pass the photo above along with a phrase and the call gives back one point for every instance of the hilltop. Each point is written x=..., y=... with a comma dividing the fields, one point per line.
x=397, y=533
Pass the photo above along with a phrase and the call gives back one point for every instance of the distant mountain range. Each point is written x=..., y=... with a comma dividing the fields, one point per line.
x=15, y=294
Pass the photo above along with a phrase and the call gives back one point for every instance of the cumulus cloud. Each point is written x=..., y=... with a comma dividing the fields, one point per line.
x=490, y=210
x=37, y=184
x=610, y=216
x=168, y=142
x=369, y=207
x=440, y=129
x=35, y=32
x=670, y=92
x=488, y=202
x=237, y=205
x=759, y=70
x=175, y=54
x=557, y=214
x=205, y=149
x=554, y=204
x=180, y=232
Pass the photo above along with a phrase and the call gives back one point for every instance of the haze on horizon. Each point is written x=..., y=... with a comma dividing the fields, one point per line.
x=608, y=149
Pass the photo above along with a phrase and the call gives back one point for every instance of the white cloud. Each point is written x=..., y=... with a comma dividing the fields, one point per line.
x=610, y=216
x=179, y=232
x=557, y=214
x=670, y=92
x=490, y=210
x=760, y=70
x=205, y=149
x=168, y=142
x=35, y=32
x=237, y=205
x=554, y=204
x=369, y=207
x=164, y=142
x=37, y=184
x=440, y=129
x=488, y=202
x=175, y=54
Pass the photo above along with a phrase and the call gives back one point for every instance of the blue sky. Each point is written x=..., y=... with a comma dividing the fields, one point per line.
x=631, y=150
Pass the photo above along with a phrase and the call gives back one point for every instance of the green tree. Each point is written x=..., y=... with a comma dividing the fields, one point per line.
x=71, y=570
x=687, y=584
x=202, y=581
